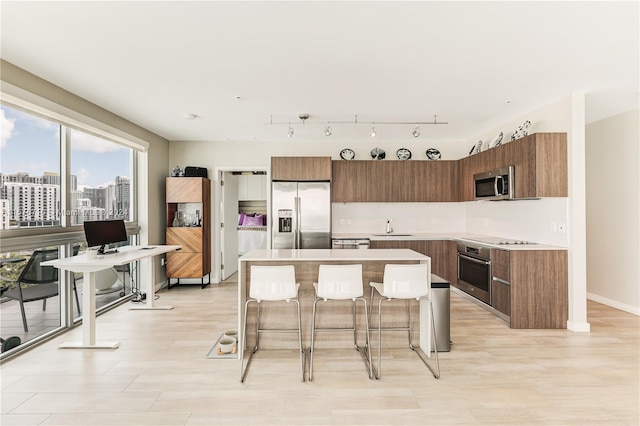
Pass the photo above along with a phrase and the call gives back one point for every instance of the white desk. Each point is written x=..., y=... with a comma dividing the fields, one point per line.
x=89, y=267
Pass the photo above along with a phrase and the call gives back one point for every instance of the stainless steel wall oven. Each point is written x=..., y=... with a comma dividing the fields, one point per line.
x=474, y=271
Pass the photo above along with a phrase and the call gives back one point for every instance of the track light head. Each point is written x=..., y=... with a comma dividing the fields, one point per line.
x=290, y=132
x=327, y=131
x=416, y=132
x=373, y=132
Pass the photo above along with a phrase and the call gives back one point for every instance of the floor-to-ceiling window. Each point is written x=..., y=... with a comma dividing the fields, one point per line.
x=53, y=178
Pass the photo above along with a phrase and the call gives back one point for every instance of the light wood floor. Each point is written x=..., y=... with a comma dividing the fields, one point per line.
x=160, y=374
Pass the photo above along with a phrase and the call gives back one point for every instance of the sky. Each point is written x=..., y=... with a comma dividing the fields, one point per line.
x=30, y=144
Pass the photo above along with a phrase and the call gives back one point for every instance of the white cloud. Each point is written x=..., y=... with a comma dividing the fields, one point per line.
x=7, y=127
x=83, y=177
x=85, y=142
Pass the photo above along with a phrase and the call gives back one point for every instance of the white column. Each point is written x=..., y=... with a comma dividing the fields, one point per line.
x=577, y=218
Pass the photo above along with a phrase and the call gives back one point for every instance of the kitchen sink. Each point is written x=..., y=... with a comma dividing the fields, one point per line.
x=391, y=235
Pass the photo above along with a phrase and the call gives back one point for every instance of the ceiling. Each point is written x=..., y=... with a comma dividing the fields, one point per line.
x=239, y=66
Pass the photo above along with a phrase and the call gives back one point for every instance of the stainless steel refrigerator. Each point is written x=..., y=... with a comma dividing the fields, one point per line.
x=301, y=215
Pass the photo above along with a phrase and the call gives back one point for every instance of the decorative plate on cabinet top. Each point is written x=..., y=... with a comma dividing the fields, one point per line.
x=378, y=154
x=433, y=154
x=403, y=154
x=347, y=154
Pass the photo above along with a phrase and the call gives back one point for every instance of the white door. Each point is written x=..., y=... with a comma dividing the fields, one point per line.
x=229, y=228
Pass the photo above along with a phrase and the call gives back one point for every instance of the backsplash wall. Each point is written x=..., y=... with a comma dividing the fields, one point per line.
x=530, y=220
x=406, y=217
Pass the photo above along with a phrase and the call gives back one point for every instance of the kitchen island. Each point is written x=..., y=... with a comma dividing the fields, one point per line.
x=335, y=314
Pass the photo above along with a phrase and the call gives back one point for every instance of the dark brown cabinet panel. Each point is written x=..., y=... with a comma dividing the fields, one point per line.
x=301, y=168
x=349, y=181
x=433, y=181
x=531, y=286
x=539, y=289
x=388, y=181
x=501, y=282
x=394, y=181
x=501, y=297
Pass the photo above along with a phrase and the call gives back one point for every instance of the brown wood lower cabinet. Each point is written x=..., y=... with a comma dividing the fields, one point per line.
x=539, y=288
x=442, y=253
x=531, y=286
x=501, y=297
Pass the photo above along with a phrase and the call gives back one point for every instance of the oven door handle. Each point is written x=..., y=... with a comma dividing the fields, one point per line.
x=474, y=260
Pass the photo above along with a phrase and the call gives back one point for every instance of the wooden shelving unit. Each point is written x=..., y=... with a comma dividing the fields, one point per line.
x=190, y=198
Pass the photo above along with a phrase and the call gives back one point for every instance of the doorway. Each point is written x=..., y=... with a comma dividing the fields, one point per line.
x=243, y=224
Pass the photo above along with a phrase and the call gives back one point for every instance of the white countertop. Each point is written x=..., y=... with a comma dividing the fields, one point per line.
x=463, y=237
x=328, y=254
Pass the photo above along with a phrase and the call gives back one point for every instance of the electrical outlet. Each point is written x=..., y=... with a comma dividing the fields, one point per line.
x=562, y=228
x=554, y=227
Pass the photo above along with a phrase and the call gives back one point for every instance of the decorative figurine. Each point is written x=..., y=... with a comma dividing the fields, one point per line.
x=177, y=172
x=522, y=131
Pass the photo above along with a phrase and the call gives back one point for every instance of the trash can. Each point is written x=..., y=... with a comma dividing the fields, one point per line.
x=441, y=302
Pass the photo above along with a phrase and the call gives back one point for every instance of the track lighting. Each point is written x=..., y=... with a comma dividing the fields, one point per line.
x=328, y=129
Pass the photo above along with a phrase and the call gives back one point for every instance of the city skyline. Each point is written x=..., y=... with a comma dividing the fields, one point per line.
x=30, y=145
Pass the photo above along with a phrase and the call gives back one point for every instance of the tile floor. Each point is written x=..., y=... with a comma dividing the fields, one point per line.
x=160, y=374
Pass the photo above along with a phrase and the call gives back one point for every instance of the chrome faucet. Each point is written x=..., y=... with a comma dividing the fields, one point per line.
x=389, y=228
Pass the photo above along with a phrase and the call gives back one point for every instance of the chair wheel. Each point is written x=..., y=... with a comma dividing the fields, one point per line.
x=10, y=343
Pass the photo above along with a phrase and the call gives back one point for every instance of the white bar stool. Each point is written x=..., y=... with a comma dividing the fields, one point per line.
x=405, y=282
x=341, y=282
x=268, y=284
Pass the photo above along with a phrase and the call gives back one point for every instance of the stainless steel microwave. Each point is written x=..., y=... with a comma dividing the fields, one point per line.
x=496, y=184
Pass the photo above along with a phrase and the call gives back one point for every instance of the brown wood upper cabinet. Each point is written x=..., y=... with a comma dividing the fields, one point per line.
x=394, y=181
x=539, y=160
x=301, y=168
x=349, y=181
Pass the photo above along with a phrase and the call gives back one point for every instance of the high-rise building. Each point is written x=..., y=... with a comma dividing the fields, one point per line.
x=123, y=197
x=33, y=204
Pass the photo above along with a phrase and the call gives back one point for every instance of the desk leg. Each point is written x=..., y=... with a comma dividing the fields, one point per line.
x=89, y=318
x=149, y=269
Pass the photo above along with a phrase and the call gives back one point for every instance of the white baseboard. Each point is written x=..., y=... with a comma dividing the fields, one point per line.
x=614, y=304
x=579, y=327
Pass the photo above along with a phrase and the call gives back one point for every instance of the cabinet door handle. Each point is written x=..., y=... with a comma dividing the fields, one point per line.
x=500, y=280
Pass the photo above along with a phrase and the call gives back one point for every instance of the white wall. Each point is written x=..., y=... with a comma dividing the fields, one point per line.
x=613, y=211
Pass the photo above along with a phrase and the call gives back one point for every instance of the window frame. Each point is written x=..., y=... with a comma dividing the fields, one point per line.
x=65, y=235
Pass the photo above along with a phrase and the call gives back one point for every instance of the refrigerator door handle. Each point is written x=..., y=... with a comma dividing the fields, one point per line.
x=297, y=234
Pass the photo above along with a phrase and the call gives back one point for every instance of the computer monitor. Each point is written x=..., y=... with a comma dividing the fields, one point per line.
x=100, y=233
